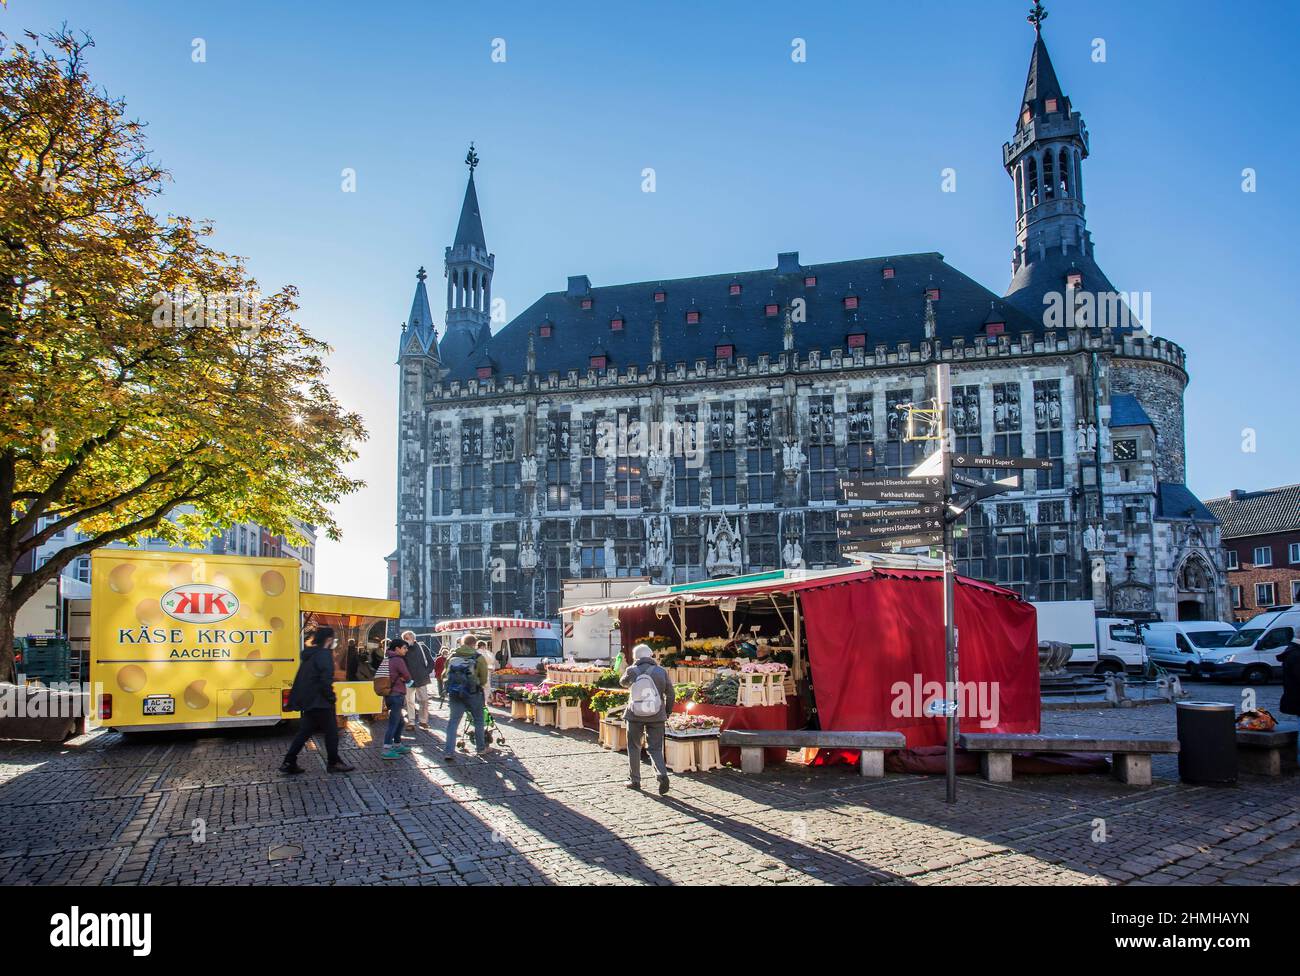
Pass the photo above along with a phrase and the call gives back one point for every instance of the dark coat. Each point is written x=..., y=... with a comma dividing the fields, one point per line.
x=313, y=685
x=1290, y=658
x=420, y=663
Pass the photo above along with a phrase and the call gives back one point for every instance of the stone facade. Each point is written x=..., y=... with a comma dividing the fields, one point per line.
x=713, y=449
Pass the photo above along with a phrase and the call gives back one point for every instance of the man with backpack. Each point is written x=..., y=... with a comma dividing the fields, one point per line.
x=466, y=679
x=420, y=663
x=650, y=699
x=390, y=683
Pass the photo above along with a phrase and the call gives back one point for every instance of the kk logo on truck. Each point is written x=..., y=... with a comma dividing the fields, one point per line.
x=199, y=603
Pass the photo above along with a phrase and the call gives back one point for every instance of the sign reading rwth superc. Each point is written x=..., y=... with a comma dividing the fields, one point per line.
x=199, y=603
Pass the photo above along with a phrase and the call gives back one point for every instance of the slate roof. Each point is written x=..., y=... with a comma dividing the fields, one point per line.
x=1041, y=84
x=1258, y=512
x=1125, y=411
x=470, y=228
x=889, y=311
x=1176, y=501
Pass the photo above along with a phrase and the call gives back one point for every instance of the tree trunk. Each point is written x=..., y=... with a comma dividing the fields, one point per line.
x=7, y=615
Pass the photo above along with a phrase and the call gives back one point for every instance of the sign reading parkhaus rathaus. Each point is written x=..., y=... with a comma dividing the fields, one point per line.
x=681, y=429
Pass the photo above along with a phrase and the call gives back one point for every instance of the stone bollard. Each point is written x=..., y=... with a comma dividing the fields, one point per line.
x=1116, y=690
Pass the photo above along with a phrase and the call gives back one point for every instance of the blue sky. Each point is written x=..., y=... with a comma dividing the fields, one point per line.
x=838, y=157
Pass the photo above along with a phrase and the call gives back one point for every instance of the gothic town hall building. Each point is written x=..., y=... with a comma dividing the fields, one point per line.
x=781, y=380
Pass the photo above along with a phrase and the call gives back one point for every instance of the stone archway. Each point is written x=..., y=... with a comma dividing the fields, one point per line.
x=1196, y=584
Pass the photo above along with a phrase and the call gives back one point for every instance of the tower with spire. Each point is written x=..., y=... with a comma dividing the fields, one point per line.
x=419, y=335
x=468, y=267
x=1045, y=162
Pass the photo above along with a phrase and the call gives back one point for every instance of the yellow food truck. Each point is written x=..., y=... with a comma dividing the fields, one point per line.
x=201, y=641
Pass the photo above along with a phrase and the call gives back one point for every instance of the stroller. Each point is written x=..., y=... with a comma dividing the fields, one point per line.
x=491, y=731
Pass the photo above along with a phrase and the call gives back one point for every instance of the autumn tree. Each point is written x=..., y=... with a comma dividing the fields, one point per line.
x=141, y=371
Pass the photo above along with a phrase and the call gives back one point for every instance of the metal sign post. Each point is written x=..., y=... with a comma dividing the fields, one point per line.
x=943, y=384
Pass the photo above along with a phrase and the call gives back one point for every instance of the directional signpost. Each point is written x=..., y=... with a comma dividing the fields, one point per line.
x=934, y=497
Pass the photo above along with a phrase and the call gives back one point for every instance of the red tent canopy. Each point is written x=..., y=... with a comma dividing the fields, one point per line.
x=876, y=650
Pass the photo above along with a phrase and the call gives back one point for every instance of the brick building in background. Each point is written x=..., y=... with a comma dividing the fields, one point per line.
x=1261, y=536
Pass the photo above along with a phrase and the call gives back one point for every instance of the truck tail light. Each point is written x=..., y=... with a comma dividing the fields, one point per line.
x=105, y=707
x=284, y=700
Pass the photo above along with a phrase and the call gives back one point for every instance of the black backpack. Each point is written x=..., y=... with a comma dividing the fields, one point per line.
x=462, y=676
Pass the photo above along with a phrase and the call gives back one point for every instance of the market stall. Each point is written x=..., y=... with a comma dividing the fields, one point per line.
x=856, y=649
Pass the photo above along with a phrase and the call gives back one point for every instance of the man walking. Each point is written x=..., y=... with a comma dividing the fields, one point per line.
x=420, y=663
x=466, y=677
x=650, y=700
x=312, y=695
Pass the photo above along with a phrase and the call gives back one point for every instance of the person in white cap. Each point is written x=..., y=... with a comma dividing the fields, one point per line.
x=650, y=700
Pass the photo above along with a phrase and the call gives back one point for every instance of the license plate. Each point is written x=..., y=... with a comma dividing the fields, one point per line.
x=160, y=705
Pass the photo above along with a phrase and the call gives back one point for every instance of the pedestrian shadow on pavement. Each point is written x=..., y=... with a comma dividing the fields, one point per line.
x=797, y=855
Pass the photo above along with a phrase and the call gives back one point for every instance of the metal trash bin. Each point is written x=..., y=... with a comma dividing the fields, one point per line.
x=1207, y=743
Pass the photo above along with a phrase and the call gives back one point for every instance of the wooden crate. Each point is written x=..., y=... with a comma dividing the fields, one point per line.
x=518, y=709
x=679, y=754
x=569, y=714
x=545, y=712
x=707, y=754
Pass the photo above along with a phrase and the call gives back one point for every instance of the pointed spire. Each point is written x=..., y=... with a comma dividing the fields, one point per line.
x=1041, y=83
x=418, y=327
x=470, y=228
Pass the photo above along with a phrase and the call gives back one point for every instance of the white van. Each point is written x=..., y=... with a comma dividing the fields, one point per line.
x=1252, y=651
x=1192, y=647
x=512, y=641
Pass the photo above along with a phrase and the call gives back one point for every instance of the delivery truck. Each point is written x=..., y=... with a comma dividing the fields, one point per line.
x=595, y=637
x=198, y=641
x=1100, y=644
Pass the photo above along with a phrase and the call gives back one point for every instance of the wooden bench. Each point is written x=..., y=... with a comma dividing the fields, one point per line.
x=1130, y=756
x=872, y=745
x=1268, y=753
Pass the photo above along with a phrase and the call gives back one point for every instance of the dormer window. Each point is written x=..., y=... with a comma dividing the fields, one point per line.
x=887, y=273
x=661, y=296
x=597, y=362
x=850, y=301
x=856, y=340
x=932, y=294
x=771, y=310
x=734, y=289
x=995, y=328
x=692, y=317
x=1026, y=117
x=586, y=304
x=724, y=352
x=1051, y=105
x=810, y=281
x=1073, y=279
x=545, y=330
x=616, y=324
x=485, y=372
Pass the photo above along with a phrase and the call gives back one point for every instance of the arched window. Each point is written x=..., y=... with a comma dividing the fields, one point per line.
x=1049, y=184
x=1064, y=175
x=1078, y=176
x=1031, y=190
x=1020, y=194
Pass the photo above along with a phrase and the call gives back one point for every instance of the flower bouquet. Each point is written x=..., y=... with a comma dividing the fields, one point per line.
x=757, y=667
x=681, y=725
x=517, y=672
x=606, y=699
x=656, y=643
x=569, y=692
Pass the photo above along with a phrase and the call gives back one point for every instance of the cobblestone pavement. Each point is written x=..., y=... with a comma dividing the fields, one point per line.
x=550, y=809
